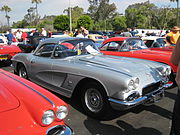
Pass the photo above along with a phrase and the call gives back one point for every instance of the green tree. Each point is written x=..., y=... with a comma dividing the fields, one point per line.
x=84, y=21
x=20, y=24
x=177, y=16
x=36, y=7
x=61, y=22
x=101, y=10
x=140, y=15
x=119, y=23
x=76, y=12
x=6, y=9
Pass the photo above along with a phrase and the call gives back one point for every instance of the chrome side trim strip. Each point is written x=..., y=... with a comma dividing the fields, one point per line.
x=30, y=89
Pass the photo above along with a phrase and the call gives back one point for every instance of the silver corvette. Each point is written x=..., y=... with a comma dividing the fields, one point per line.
x=75, y=67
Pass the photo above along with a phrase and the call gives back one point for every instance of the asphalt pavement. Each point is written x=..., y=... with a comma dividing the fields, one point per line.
x=141, y=120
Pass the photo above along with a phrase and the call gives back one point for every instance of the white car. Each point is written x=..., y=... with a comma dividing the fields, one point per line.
x=3, y=40
x=154, y=42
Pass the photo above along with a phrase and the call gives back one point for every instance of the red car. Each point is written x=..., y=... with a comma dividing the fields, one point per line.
x=135, y=47
x=28, y=109
x=7, y=51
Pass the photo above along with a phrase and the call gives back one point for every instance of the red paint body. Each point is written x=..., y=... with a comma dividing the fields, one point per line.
x=7, y=51
x=21, y=108
x=154, y=54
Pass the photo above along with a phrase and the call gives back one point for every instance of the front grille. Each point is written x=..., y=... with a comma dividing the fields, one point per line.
x=150, y=88
x=56, y=130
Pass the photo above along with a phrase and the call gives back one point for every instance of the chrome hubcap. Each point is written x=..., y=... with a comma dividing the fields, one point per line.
x=93, y=100
x=22, y=73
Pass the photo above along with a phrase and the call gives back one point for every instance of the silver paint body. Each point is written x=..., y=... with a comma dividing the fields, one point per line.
x=113, y=73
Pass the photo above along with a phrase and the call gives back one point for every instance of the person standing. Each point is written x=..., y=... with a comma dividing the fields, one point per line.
x=9, y=37
x=44, y=32
x=84, y=31
x=173, y=35
x=175, y=59
x=24, y=37
x=18, y=35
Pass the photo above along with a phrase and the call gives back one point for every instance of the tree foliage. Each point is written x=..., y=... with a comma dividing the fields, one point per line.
x=84, y=21
x=119, y=23
x=101, y=10
x=76, y=12
x=61, y=22
x=6, y=9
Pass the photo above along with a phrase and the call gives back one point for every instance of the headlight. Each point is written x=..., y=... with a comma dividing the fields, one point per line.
x=133, y=84
x=48, y=117
x=166, y=72
x=62, y=112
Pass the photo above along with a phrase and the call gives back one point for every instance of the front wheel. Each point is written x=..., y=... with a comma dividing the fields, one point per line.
x=94, y=100
x=22, y=71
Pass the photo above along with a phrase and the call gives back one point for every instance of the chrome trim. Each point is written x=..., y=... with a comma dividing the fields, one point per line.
x=30, y=89
x=139, y=100
x=67, y=130
x=136, y=101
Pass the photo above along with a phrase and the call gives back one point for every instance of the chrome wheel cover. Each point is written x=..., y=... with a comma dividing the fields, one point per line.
x=93, y=100
x=23, y=73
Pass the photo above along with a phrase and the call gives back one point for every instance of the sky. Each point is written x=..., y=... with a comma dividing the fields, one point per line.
x=56, y=7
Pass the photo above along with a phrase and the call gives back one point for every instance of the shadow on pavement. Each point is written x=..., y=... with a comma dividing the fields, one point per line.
x=95, y=127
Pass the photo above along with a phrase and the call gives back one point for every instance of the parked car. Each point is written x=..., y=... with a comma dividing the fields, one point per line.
x=28, y=109
x=157, y=43
x=3, y=40
x=7, y=51
x=135, y=48
x=32, y=43
x=97, y=38
x=75, y=67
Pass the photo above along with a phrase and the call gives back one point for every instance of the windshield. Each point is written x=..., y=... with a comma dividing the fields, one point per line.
x=161, y=41
x=76, y=47
x=133, y=44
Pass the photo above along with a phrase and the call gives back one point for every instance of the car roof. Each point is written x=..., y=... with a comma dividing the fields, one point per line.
x=57, y=40
x=118, y=39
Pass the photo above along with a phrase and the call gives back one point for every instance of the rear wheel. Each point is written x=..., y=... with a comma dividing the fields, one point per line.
x=94, y=100
x=22, y=71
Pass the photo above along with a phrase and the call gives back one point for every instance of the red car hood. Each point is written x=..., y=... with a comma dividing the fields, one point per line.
x=7, y=100
x=157, y=52
x=169, y=48
x=6, y=49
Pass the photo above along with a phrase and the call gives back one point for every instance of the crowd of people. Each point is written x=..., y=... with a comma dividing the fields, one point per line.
x=171, y=35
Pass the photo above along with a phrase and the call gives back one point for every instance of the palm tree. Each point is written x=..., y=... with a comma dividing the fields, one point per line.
x=177, y=10
x=6, y=9
x=37, y=2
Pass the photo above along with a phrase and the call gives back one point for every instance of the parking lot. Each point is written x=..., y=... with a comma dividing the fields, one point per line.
x=142, y=120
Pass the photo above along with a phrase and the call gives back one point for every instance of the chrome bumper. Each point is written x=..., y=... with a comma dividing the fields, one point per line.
x=59, y=130
x=147, y=99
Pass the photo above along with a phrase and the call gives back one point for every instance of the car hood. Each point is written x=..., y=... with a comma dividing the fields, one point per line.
x=7, y=100
x=128, y=65
x=156, y=52
x=9, y=49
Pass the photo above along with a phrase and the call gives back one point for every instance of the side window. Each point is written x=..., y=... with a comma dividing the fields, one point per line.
x=45, y=50
x=104, y=47
x=113, y=46
x=64, y=50
x=149, y=43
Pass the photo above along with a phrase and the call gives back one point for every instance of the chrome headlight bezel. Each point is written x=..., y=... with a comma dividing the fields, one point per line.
x=166, y=71
x=133, y=84
x=48, y=117
x=62, y=112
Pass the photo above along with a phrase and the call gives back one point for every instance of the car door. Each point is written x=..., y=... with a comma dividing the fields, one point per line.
x=41, y=65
